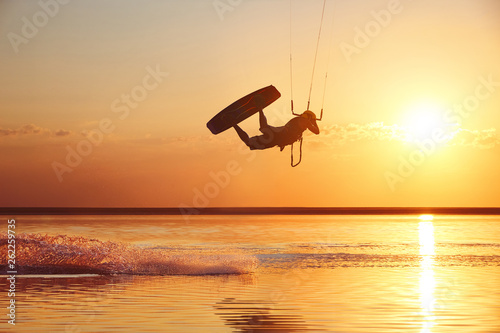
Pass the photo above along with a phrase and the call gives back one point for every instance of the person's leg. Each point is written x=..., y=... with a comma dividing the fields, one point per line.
x=254, y=142
x=242, y=134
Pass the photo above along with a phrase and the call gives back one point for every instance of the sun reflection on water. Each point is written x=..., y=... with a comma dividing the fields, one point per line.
x=427, y=279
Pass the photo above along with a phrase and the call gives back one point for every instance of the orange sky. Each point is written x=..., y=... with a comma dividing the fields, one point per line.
x=411, y=111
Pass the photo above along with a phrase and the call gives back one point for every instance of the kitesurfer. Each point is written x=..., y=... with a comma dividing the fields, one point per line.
x=279, y=136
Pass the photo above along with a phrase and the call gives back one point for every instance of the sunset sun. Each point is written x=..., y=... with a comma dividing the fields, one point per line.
x=426, y=121
x=422, y=119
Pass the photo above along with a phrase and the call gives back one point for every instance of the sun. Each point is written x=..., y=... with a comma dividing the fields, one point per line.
x=422, y=119
x=426, y=217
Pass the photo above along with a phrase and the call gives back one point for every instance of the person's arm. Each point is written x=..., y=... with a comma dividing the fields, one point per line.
x=262, y=120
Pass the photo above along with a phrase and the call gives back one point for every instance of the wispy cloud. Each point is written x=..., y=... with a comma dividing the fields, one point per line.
x=330, y=137
x=62, y=132
x=337, y=135
x=483, y=139
x=31, y=129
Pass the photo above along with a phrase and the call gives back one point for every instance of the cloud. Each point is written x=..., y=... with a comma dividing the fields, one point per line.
x=337, y=135
x=483, y=139
x=7, y=132
x=330, y=137
x=62, y=132
x=31, y=129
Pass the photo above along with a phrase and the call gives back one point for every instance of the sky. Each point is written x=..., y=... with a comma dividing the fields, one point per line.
x=105, y=103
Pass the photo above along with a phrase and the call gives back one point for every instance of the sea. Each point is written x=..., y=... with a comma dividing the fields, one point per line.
x=251, y=273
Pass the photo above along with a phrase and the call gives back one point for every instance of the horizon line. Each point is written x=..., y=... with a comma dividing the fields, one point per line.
x=249, y=210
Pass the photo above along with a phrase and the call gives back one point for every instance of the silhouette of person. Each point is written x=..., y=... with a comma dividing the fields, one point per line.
x=279, y=136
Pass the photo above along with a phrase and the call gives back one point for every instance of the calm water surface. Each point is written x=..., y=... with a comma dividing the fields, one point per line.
x=306, y=274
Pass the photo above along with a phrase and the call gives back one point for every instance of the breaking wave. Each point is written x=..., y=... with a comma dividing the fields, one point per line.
x=62, y=254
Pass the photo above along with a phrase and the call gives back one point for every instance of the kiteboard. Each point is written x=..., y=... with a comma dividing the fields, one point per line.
x=242, y=109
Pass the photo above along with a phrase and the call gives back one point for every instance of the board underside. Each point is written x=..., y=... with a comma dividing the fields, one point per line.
x=242, y=109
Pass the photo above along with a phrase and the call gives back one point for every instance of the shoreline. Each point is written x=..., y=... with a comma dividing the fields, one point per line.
x=250, y=211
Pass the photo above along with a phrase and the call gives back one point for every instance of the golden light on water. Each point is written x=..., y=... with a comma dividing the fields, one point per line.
x=427, y=279
x=426, y=238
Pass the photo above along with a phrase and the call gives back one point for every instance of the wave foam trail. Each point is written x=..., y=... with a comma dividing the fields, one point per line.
x=62, y=254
